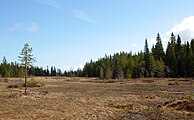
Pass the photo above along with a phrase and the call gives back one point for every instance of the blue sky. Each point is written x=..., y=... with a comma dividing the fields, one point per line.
x=68, y=33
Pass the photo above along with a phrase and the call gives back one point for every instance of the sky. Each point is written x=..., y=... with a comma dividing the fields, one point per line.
x=69, y=33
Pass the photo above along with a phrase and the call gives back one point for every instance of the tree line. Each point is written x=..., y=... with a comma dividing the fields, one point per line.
x=176, y=61
x=15, y=69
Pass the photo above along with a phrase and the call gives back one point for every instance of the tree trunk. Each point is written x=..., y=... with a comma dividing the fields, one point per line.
x=25, y=81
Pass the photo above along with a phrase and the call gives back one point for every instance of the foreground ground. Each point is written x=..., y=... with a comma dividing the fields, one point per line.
x=85, y=98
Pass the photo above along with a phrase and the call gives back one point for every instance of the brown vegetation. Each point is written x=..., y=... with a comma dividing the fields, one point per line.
x=85, y=98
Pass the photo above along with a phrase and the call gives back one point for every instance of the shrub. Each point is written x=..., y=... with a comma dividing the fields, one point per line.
x=32, y=83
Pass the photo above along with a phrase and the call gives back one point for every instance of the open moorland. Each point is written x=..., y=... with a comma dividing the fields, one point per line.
x=94, y=99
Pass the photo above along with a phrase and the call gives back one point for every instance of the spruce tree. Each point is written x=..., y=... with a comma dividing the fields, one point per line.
x=146, y=58
x=179, y=50
x=158, y=51
x=171, y=56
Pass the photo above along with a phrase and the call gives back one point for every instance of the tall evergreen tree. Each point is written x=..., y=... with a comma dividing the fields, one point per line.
x=146, y=58
x=27, y=60
x=158, y=51
x=179, y=51
x=171, y=58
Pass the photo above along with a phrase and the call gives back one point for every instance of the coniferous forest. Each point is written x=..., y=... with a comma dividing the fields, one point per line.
x=176, y=61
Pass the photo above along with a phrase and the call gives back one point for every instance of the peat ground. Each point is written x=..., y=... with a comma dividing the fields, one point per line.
x=94, y=99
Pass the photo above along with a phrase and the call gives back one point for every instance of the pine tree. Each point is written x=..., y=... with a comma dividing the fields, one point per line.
x=179, y=56
x=5, y=69
x=149, y=60
x=146, y=58
x=171, y=56
x=158, y=51
x=27, y=60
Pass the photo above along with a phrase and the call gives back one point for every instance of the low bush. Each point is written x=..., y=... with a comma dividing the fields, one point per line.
x=32, y=83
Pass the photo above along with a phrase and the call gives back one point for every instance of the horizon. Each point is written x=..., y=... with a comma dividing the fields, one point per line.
x=67, y=34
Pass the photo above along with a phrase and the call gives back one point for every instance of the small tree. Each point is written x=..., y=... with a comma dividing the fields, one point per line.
x=26, y=58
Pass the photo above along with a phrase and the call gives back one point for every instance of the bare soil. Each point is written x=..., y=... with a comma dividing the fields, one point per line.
x=94, y=99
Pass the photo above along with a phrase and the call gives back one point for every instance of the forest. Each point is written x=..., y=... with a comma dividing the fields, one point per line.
x=176, y=61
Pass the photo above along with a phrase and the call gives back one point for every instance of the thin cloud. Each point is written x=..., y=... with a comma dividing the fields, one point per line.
x=16, y=27
x=83, y=16
x=133, y=44
x=52, y=3
x=33, y=27
x=20, y=27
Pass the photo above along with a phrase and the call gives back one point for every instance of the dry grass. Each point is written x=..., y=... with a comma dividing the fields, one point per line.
x=85, y=98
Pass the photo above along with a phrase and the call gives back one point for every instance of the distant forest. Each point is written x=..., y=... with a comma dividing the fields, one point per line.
x=176, y=61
